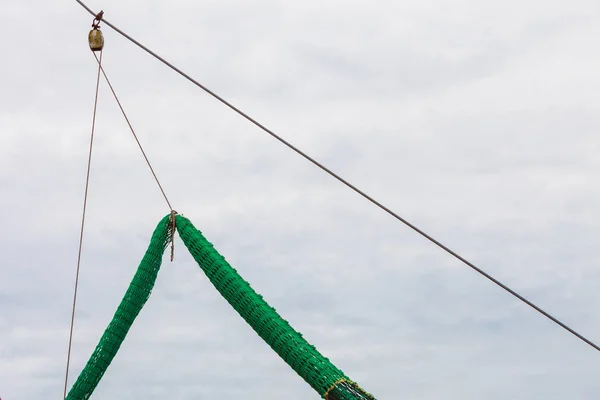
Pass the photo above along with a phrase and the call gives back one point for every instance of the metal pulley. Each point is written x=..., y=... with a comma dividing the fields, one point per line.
x=95, y=37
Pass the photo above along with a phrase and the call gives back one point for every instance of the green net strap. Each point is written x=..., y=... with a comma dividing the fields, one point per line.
x=330, y=382
x=136, y=296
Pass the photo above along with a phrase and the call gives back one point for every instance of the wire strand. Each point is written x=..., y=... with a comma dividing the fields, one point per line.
x=134, y=134
x=360, y=192
x=85, y=196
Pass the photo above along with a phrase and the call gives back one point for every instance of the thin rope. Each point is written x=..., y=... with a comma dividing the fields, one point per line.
x=87, y=183
x=354, y=188
x=134, y=134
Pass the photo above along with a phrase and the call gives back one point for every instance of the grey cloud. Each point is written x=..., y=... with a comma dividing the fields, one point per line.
x=474, y=121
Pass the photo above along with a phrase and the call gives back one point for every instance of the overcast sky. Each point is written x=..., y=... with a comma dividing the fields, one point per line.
x=476, y=120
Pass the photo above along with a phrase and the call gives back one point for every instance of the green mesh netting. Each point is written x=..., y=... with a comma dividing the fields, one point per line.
x=304, y=358
x=136, y=296
x=315, y=369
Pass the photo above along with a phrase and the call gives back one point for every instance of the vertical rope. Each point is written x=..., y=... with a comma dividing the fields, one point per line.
x=173, y=222
x=87, y=182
